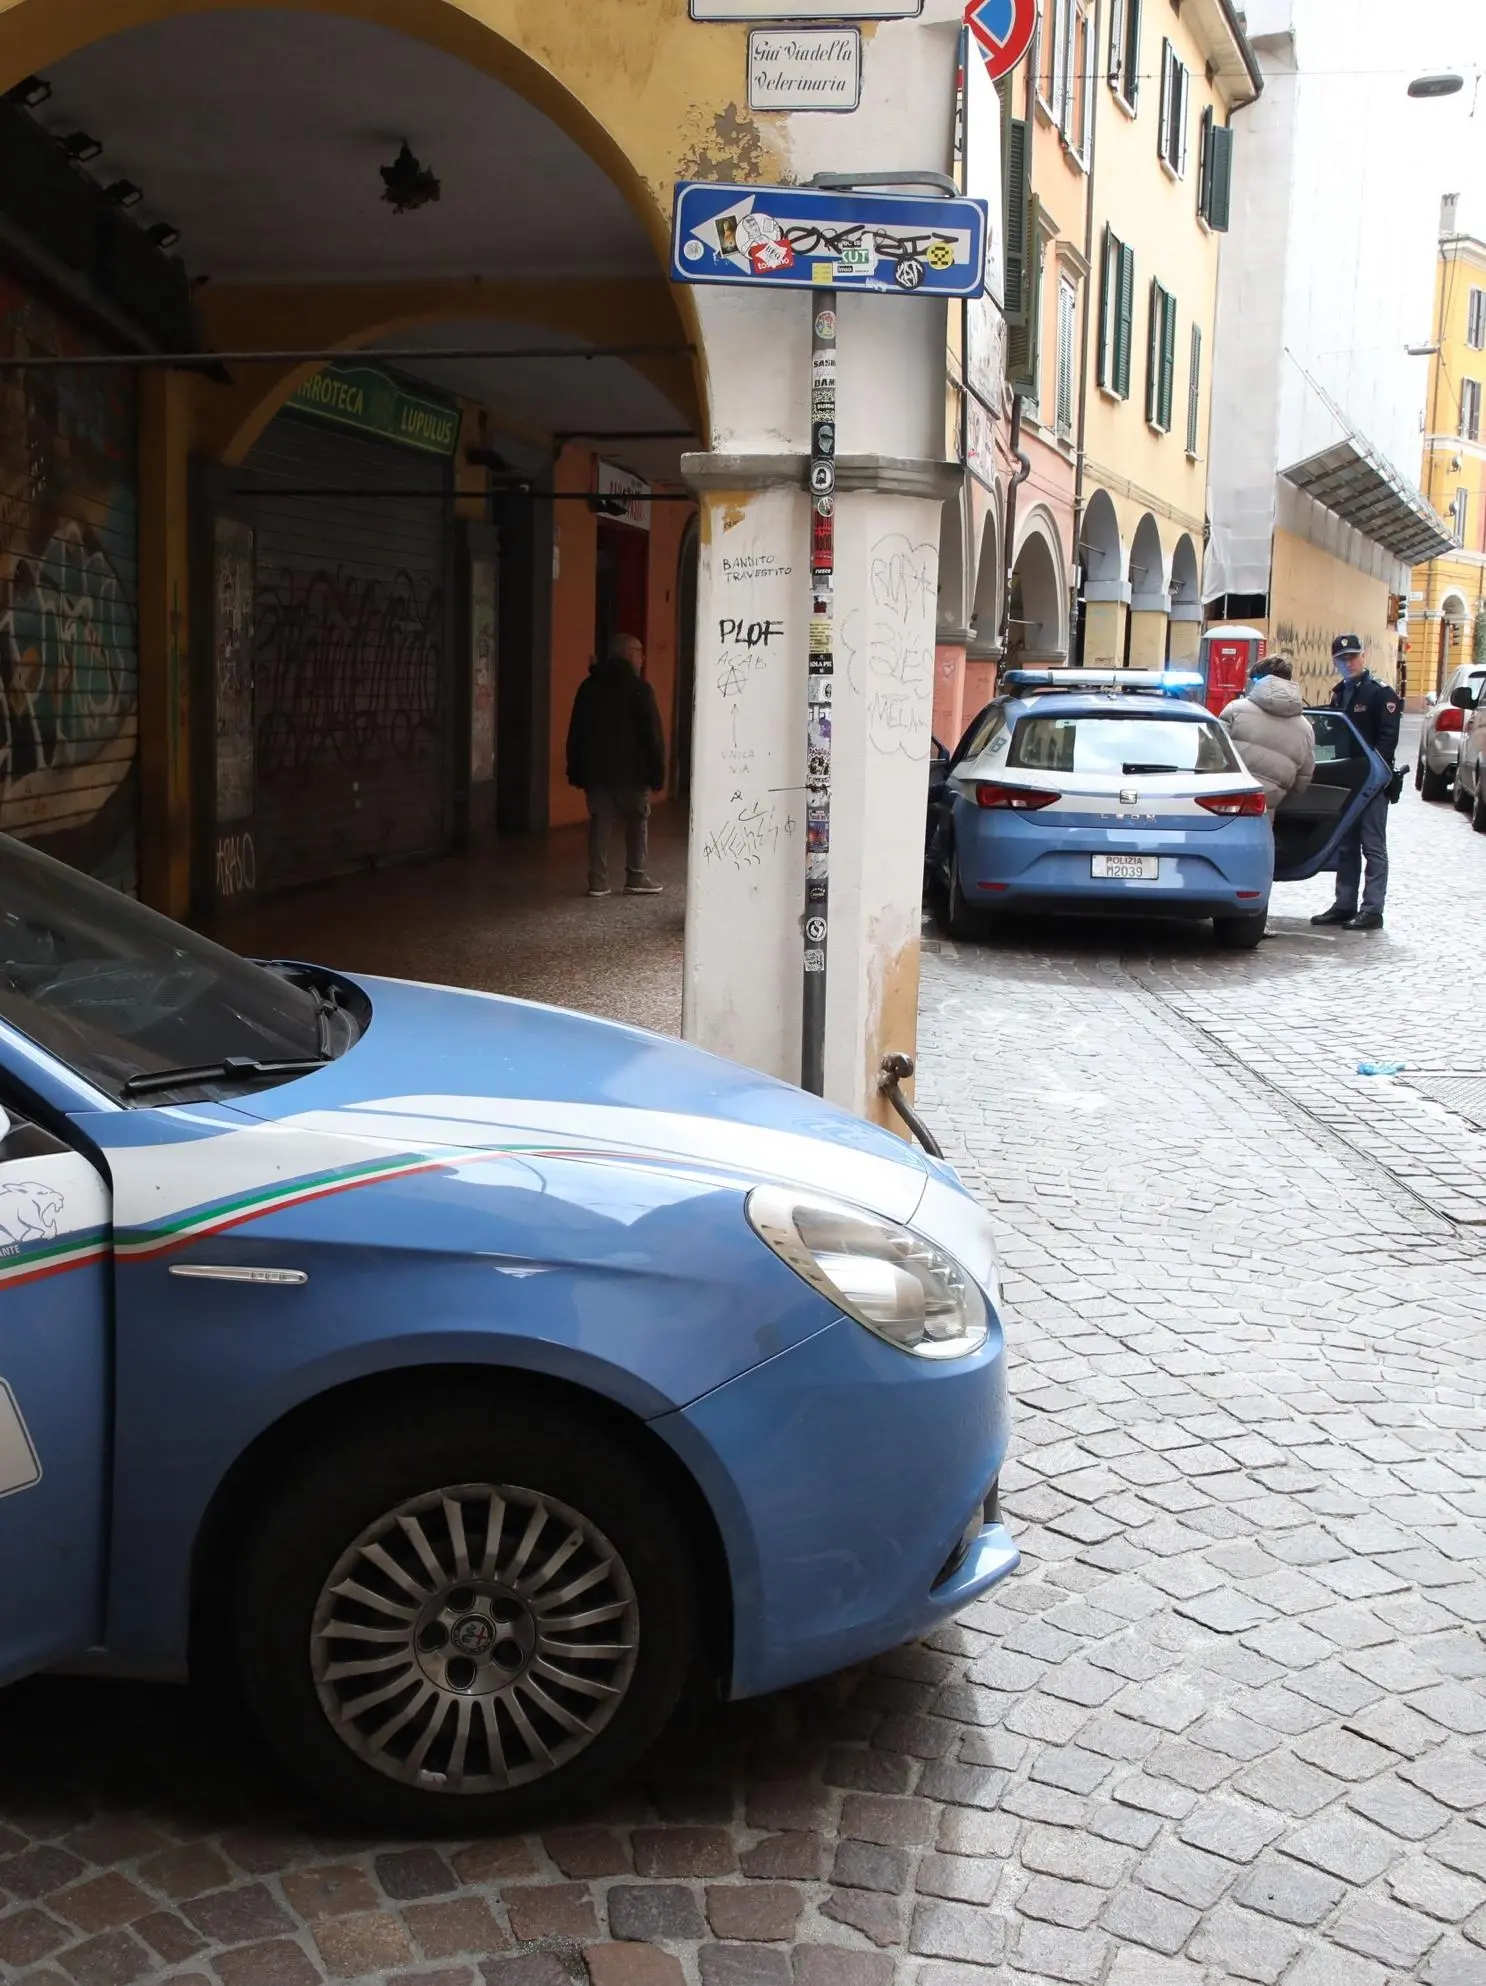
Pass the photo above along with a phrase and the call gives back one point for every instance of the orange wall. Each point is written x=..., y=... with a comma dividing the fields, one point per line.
x=574, y=606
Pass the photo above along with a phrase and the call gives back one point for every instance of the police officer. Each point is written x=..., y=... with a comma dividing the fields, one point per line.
x=1377, y=711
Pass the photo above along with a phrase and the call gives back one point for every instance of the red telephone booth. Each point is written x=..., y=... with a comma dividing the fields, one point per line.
x=1228, y=654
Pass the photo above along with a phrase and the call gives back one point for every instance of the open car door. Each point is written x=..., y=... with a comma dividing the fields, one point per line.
x=1310, y=827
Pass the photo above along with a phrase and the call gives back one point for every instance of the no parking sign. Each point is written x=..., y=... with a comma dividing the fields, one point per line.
x=1004, y=30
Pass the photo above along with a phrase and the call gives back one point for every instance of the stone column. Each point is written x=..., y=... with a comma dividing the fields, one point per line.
x=1186, y=636
x=1106, y=608
x=951, y=707
x=1149, y=617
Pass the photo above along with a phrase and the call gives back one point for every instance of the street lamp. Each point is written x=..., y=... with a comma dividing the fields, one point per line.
x=1437, y=86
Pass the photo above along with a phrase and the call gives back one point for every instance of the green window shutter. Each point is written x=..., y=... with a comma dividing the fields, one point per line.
x=1018, y=208
x=1132, y=52
x=1168, y=359
x=1125, y=322
x=1194, y=393
x=1108, y=285
x=1153, y=356
x=1024, y=340
x=1218, y=190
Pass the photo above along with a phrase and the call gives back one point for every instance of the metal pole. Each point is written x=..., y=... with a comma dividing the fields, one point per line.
x=822, y=684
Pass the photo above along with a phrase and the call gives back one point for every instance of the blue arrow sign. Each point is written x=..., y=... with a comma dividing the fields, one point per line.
x=803, y=237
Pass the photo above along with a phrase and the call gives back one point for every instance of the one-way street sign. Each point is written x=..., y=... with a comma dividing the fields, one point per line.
x=805, y=237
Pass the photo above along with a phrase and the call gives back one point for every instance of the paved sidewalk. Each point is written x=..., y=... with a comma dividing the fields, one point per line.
x=1230, y=1721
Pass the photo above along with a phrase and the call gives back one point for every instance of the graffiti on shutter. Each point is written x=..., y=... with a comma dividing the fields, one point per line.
x=69, y=570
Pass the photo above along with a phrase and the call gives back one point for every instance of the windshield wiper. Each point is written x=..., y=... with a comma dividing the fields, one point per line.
x=1152, y=768
x=231, y=1069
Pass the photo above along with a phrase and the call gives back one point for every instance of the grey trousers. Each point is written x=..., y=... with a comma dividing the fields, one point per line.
x=1368, y=839
x=606, y=807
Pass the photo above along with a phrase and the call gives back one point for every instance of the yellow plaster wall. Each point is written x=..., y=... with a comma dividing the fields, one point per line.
x=1461, y=268
x=1315, y=597
x=1156, y=215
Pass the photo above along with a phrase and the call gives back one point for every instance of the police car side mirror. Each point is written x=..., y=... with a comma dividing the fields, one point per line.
x=1431, y=698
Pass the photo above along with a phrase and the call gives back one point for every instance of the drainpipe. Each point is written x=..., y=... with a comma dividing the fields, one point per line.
x=1091, y=306
x=1024, y=470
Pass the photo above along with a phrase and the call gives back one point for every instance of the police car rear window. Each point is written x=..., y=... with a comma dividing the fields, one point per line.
x=1106, y=742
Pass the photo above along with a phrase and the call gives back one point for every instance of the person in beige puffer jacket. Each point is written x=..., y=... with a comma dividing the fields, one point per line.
x=1272, y=732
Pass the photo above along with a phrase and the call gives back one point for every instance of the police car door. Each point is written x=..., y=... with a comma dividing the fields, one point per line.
x=1310, y=827
x=54, y=1325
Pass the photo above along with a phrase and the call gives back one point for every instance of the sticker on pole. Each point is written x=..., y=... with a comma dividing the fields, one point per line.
x=1004, y=31
x=803, y=237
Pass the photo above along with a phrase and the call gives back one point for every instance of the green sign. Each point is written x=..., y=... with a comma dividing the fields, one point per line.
x=372, y=402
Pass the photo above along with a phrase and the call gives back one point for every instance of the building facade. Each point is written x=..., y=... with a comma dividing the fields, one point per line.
x=1318, y=403
x=304, y=579
x=1169, y=81
x=1447, y=608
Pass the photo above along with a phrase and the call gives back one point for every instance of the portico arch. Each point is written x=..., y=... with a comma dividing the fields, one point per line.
x=1150, y=599
x=1184, y=638
x=1039, y=594
x=1105, y=593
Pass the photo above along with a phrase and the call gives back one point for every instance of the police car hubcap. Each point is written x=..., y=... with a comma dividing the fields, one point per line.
x=474, y=1639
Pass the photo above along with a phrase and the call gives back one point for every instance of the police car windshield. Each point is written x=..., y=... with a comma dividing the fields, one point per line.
x=1124, y=746
x=115, y=991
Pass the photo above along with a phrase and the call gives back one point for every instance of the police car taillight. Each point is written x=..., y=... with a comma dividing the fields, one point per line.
x=1232, y=803
x=1022, y=799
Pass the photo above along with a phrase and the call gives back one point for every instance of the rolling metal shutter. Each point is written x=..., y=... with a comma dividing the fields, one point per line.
x=351, y=658
x=69, y=592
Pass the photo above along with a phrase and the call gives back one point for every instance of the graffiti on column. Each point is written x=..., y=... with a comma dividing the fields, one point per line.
x=68, y=599
x=890, y=647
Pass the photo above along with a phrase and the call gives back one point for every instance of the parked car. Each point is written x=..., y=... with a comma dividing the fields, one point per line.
x=1441, y=738
x=1468, y=704
x=459, y=1374
x=1109, y=792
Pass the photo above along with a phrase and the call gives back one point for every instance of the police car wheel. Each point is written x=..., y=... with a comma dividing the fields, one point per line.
x=466, y=1617
x=955, y=917
x=1240, y=934
x=1434, y=785
x=1478, y=809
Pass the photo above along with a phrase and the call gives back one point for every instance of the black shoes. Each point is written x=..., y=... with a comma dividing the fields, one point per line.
x=1336, y=915
x=1368, y=920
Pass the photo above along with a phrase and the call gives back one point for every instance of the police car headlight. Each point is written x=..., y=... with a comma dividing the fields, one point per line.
x=902, y=1287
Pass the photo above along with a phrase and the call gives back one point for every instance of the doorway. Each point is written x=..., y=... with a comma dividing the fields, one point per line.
x=622, y=584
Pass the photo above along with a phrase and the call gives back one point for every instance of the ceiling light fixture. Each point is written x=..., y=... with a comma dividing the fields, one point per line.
x=124, y=193
x=408, y=184
x=163, y=235
x=31, y=92
x=81, y=147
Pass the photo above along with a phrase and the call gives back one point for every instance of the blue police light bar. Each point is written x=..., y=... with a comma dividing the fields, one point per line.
x=1135, y=682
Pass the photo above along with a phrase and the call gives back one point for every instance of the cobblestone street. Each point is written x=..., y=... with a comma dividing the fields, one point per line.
x=1229, y=1721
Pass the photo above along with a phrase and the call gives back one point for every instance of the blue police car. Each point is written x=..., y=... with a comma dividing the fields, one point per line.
x=1115, y=793
x=457, y=1374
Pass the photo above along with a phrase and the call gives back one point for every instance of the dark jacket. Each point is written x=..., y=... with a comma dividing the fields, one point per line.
x=1375, y=708
x=615, y=739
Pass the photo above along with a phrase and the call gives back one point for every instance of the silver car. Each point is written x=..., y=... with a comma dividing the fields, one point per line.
x=1446, y=727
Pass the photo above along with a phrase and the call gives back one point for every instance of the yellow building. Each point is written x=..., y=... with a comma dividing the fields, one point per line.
x=1447, y=609
x=1170, y=80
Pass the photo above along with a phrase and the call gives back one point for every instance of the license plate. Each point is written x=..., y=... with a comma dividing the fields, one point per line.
x=1126, y=868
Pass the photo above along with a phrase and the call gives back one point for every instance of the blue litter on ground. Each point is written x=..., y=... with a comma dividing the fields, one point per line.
x=1381, y=1068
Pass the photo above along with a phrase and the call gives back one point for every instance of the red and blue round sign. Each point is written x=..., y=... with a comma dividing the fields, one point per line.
x=1004, y=30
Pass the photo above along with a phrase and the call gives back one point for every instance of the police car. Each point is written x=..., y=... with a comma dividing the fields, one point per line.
x=1114, y=792
x=457, y=1375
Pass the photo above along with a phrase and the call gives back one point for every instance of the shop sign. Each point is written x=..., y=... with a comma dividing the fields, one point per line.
x=363, y=398
x=804, y=68
x=817, y=10
x=632, y=493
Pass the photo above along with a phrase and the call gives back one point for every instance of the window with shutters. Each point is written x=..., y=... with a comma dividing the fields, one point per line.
x=1194, y=395
x=1067, y=361
x=1470, y=409
x=1023, y=259
x=1124, y=51
x=1176, y=90
x=1161, y=362
x=1062, y=66
x=1116, y=315
x=1475, y=328
x=1460, y=514
x=1215, y=173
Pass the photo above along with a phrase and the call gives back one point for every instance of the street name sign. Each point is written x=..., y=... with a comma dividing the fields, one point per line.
x=818, y=10
x=805, y=237
x=804, y=68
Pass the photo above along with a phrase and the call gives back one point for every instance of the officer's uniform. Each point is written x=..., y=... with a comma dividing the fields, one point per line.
x=1377, y=711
